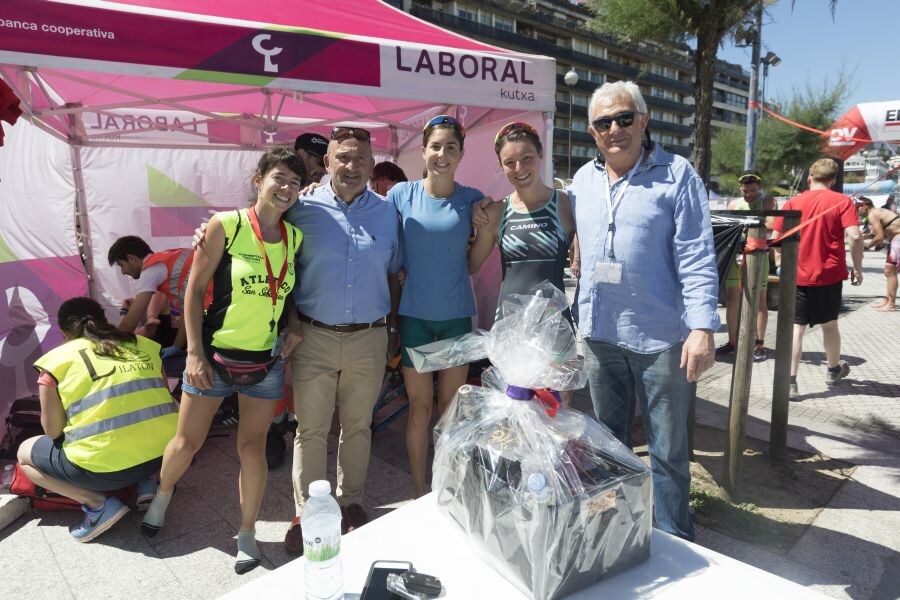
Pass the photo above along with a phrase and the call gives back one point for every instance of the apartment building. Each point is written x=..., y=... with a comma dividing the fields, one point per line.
x=558, y=28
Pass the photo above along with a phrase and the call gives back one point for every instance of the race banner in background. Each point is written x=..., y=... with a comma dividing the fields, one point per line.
x=861, y=125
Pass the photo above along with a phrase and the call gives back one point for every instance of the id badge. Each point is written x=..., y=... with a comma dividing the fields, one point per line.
x=608, y=272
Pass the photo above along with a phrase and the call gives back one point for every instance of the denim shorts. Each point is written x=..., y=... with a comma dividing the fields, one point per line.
x=270, y=388
x=416, y=332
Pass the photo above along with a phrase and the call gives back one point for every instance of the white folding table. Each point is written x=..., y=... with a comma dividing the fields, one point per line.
x=419, y=533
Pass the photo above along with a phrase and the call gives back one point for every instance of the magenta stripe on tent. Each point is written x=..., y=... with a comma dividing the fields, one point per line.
x=56, y=29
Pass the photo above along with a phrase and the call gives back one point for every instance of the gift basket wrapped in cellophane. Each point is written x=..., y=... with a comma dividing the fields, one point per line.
x=549, y=498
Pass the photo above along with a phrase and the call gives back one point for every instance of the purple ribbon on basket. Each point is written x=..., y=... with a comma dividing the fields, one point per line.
x=519, y=393
x=550, y=399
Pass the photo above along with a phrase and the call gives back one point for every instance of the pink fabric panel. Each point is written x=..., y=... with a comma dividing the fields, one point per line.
x=368, y=18
x=32, y=292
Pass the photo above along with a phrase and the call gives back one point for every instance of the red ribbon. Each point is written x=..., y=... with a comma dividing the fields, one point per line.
x=274, y=283
x=548, y=400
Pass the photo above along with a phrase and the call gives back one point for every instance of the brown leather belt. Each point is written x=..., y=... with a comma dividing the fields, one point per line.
x=348, y=328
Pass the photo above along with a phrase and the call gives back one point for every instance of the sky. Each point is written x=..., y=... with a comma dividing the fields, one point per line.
x=863, y=36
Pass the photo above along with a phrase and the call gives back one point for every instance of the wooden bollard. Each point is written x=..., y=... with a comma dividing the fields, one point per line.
x=784, y=339
x=756, y=262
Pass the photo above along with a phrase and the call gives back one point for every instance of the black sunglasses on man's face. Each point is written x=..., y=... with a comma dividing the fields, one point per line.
x=623, y=119
x=342, y=133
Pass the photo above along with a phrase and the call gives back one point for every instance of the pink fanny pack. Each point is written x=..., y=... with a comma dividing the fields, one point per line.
x=242, y=367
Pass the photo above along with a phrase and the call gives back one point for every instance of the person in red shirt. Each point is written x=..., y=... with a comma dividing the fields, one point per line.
x=822, y=265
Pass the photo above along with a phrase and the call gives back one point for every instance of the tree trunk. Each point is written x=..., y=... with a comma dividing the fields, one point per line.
x=705, y=69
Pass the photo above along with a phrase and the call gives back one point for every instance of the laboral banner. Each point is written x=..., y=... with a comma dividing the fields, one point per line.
x=864, y=123
x=504, y=80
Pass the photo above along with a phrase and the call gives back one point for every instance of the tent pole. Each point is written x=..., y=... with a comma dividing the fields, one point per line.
x=81, y=219
x=548, y=149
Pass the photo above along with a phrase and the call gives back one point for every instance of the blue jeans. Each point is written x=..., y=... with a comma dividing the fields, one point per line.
x=617, y=377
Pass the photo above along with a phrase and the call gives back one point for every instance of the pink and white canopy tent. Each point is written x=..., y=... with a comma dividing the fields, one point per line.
x=142, y=117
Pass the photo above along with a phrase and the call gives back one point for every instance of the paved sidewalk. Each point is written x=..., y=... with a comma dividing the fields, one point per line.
x=850, y=551
x=870, y=342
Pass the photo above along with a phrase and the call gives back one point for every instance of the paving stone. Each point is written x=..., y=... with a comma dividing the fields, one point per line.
x=203, y=561
x=857, y=561
x=136, y=569
x=772, y=562
x=30, y=570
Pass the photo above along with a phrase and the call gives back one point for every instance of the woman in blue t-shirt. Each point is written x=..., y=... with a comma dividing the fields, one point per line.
x=437, y=301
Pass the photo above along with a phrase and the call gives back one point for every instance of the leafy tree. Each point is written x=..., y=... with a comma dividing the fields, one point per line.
x=674, y=23
x=782, y=150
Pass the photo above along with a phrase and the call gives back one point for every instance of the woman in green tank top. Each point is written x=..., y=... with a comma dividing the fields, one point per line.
x=249, y=255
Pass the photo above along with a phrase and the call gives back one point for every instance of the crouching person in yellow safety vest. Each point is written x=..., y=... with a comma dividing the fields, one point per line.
x=107, y=417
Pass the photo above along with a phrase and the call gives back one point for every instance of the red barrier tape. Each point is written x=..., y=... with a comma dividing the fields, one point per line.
x=801, y=126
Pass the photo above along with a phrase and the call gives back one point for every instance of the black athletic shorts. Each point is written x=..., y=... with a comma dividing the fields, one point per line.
x=49, y=457
x=817, y=304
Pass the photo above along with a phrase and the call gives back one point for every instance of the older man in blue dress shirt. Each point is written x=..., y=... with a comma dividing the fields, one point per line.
x=646, y=304
x=346, y=296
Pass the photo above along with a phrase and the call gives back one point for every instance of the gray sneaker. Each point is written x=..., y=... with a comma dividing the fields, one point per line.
x=832, y=378
x=794, y=395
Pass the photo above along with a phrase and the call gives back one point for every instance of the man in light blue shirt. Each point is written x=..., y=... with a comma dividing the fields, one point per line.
x=647, y=290
x=346, y=296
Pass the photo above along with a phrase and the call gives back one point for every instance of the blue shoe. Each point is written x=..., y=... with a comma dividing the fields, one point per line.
x=98, y=521
x=146, y=491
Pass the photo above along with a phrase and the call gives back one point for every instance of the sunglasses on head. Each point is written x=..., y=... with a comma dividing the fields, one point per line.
x=445, y=121
x=342, y=133
x=749, y=179
x=623, y=119
x=515, y=126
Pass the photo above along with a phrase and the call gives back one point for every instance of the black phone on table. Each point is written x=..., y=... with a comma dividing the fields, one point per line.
x=376, y=582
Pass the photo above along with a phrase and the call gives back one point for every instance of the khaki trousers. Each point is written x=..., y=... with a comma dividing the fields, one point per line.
x=335, y=369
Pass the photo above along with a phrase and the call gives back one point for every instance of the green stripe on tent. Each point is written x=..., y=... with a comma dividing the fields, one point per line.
x=165, y=191
x=219, y=77
x=6, y=254
x=319, y=32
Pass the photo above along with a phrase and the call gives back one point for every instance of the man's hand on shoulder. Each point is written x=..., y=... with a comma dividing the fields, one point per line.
x=697, y=353
x=199, y=238
x=309, y=189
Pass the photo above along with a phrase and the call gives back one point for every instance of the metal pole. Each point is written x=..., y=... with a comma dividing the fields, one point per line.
x=548, y=135
x=569, y=169
x=784, y=339
x=754, y=262
x=752, y=110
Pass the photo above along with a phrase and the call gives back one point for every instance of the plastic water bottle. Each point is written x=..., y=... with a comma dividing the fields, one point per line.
x=8, y=471
x=321, y=522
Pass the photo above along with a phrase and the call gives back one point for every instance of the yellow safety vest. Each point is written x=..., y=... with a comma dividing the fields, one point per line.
x=119, y=413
